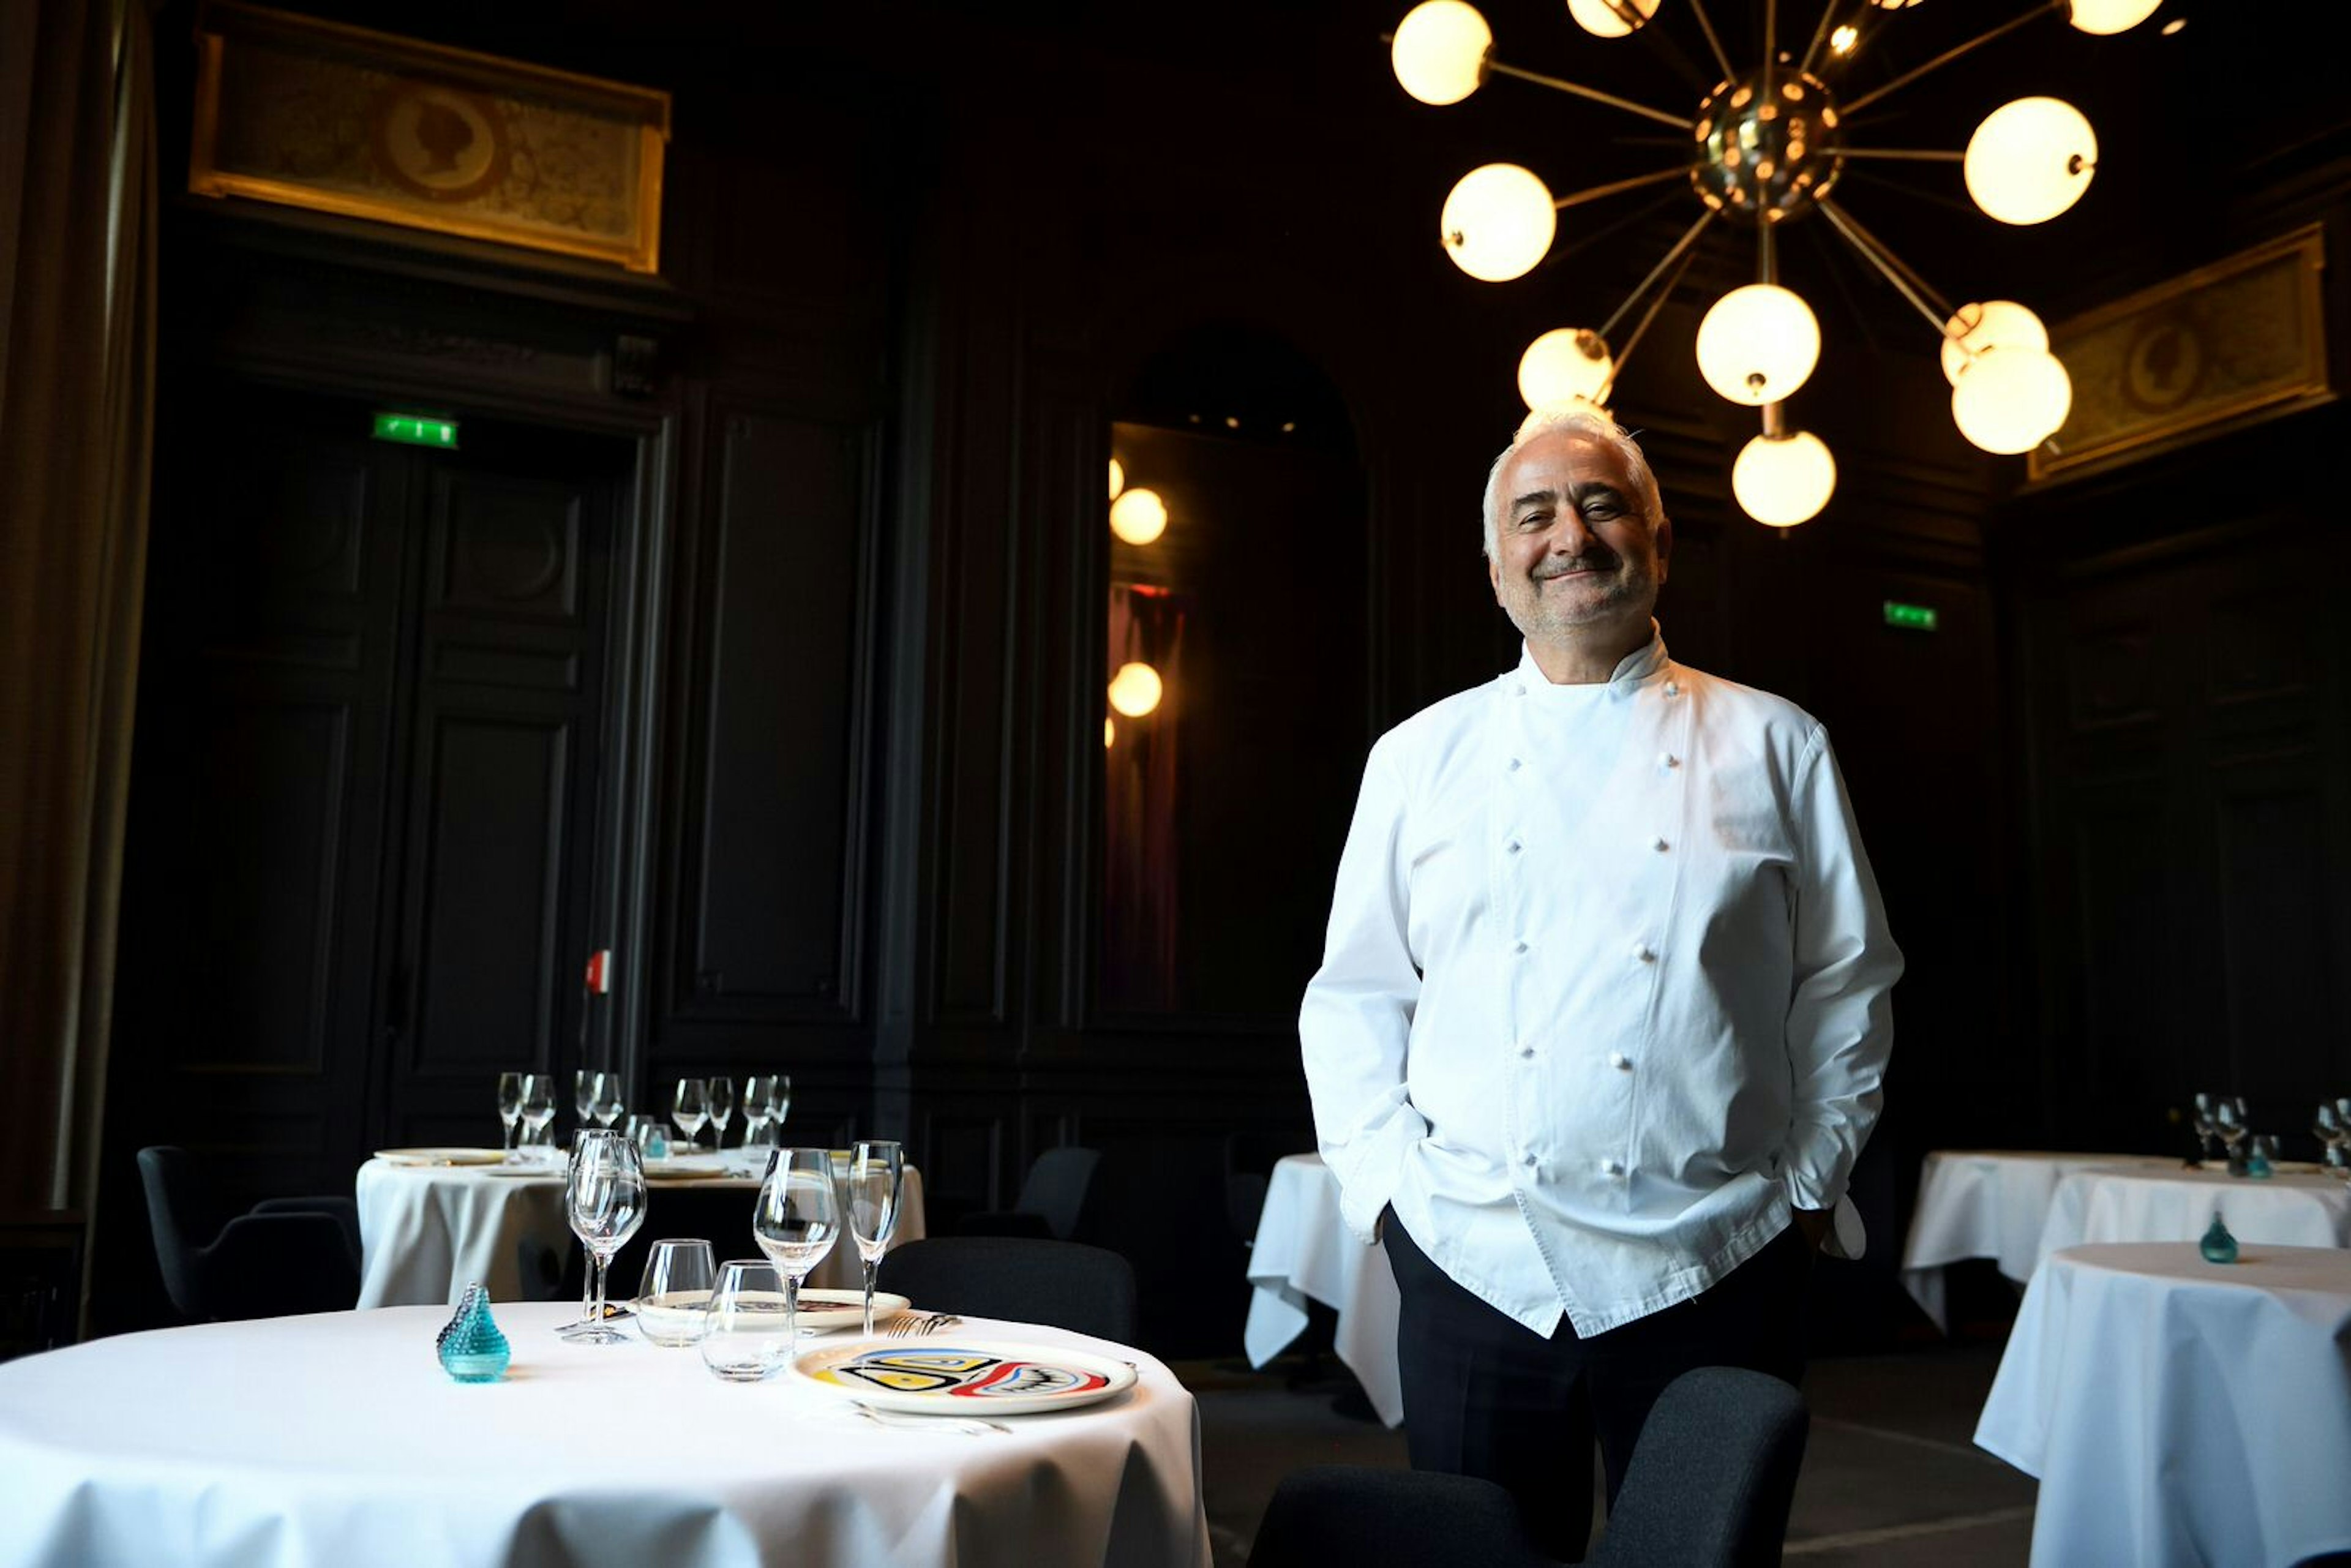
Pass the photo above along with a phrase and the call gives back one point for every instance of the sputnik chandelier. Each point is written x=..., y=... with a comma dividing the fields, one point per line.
x=1766, y=146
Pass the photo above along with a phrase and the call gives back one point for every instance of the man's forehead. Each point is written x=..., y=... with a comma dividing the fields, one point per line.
x=1568, y=463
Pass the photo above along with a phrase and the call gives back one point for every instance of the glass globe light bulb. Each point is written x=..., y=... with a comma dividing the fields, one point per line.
x=2031, y=160
x=1117, y=478
x=2104, y=16
x=1758, y=344
x=1564, y=364
x=2012, y=399
x=1138, y=515
x=1497, y=222
x=1440, y=52
x=1110, y=733
x=1991, y=324
x=1608, y=18
x=1135, y=690
x=1784, y=480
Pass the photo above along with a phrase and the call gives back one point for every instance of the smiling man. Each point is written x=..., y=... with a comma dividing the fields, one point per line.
x=1603, y=1008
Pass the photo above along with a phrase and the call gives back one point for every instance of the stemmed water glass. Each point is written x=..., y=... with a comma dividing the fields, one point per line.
x=2206, y=1128
x=538, y=1103
x=2229, y=1120
x=720, y=1092
x=509, y=1109
x=691, y=1109
x=604, y=1198
x=583, y=1093
x=605, y=1102
x=796, y=1221
x=2332, y=1128
x=877, y=1170
x=780, y=1104
x=756, y=1089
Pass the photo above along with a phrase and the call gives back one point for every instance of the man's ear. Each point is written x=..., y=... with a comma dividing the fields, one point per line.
x=1665, y=537
x=1494, y=578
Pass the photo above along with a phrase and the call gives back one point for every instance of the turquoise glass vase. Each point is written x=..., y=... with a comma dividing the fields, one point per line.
x=472, y=1348
x=2218, y=1246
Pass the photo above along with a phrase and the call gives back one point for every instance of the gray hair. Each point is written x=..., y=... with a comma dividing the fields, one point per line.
x=1577, y=419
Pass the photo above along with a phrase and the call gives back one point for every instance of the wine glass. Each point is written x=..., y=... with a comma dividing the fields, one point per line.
x=538, y=1103
x=509, y=1110
x=583, y=1093
x=780, y=1104
x=2332, y=1128
x=2229, y=1121
x=877, y=1170
x=606, y=1102
x=2205, y=1127
x=721, y=1094
x=795, y=1219
x=691, y=1109
x=756, y=1089
x=604, y=1198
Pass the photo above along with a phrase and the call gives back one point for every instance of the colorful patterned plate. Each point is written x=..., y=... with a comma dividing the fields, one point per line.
x=980, y=1378
x=442, y=1157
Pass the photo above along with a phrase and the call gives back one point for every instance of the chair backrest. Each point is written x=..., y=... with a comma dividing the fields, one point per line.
x=184, y=1213
x=1055, y=1187
x=1713, y=1475
x=1325, y=1514
x=1086, y=1289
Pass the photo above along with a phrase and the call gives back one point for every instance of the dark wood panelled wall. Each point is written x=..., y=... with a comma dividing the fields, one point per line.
x=773, y=657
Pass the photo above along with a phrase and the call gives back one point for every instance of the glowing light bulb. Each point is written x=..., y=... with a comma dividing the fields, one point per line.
x=1992, y=324
x=1758, y=344
x=1439, y=53
x=1497, y=222
x=2031, y=160
x=1784, y=480
x=1138, y=515
x=1117, y=478
x=2104, y=16
x=1135, y=690
x=1564, y=364
x=1611, y=18
x=2011, y=400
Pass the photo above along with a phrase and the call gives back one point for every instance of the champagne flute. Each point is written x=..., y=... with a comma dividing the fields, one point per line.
x=721, y=1094
x=877, y=1170
x=509, y=1110
x=795, y=1219
x=538, y=1103
x=604, y=1198
x=691, y=1109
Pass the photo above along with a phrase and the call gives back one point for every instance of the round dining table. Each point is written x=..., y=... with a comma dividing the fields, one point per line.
x=427, y=1232
x=2180, y=1413
x=2293, y=1208
x=337, y=1440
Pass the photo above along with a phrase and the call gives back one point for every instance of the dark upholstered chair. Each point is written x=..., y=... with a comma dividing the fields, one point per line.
x=284, y=1255
x=1086, y=1289
x=1051, y=1196
x=1709, y=1487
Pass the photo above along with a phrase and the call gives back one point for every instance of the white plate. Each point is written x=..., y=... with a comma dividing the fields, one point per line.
x=673, y=1170
x=525, y=1172
x=442, y=1156
x=950, y=1375
x=825, y=1311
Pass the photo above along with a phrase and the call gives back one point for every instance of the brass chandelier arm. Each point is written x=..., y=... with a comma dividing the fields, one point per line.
x=1679, y=122
x=1947, y=56
x=1904, y=283
x=1820, y=38
x=1617, y=187
x=1633, y=338
x=1712, y=42
x=1681, y=248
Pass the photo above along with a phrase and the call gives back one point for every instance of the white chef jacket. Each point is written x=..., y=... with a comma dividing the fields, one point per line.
x=1605, y=990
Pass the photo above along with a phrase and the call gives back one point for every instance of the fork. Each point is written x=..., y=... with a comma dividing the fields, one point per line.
x=915, y=1324
x=968, y=1425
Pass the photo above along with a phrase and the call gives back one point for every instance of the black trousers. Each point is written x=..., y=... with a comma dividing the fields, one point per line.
x=1485, y=1395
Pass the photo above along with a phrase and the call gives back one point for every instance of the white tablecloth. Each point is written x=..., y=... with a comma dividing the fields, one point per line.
x=337, y=1440
x=1989, y=1203
x=2180, y=1413
x=426, y=1232
x=1302, y=1249
x=2175, y=1204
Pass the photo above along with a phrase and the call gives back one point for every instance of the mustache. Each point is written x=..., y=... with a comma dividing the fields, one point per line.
x=1593, y=560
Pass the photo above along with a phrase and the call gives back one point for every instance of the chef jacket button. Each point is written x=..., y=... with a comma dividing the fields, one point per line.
x=1610, y=1168
x=1618, y=1059
x=1516, y=765
x=1529, y=1159
x=1512, y=846
x=1642, y=951
x=1518, y=689
x=1673, y=688
x=1667, y=759
x=1526, y=1051
x=1520, y=946
x=1659, y=845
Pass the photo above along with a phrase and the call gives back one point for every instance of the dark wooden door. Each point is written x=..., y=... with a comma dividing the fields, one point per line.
x=366, y=781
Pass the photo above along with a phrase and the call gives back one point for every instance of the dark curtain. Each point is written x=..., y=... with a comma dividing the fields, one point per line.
x=1141, y=889
x=77, y=369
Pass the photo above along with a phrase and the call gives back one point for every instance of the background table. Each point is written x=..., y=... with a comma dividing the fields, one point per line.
x=2291, y=1210
x=337, y=1440
x=2179, y=1412
x=1303, y=1249
x=1989, y=1203
x=428, y=1231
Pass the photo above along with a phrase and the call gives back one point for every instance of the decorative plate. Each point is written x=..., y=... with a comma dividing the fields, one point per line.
x=963, y=1376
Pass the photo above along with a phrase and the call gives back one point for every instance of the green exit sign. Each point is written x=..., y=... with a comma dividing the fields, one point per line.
x=417, y=430
x=1909, y=617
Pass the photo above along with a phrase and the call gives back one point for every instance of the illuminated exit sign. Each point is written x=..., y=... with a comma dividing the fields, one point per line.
x=1909, y=617
x=417, y=430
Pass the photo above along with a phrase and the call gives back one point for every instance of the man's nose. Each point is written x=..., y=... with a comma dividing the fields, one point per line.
x=1569, y=537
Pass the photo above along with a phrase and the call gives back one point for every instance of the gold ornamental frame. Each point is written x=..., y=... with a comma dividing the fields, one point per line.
x=2242, y=341
x=342, y=119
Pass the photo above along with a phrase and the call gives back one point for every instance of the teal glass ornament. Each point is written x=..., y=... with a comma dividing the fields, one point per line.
x=2218, y=1246
x=472, y=1348
x=2257, y=1164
